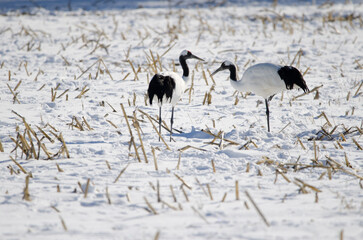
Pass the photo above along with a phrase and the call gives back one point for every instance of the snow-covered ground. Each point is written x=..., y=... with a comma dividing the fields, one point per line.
x=65, y=76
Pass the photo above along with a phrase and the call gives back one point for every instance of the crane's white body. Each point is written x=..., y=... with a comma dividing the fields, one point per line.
x=180, y=85
x=261, y=79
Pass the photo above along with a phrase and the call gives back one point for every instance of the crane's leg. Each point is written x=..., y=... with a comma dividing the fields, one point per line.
x=171, y=122
x=268, y=115
x=159, y=122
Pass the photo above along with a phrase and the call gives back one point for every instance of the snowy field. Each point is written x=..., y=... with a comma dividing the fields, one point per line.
x=73, y=167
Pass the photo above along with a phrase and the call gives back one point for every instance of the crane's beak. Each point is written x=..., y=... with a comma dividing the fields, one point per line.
x=193, y=56
x=218, y=70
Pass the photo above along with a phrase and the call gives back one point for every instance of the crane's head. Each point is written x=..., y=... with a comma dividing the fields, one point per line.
x=185, y=54
x=226, y=65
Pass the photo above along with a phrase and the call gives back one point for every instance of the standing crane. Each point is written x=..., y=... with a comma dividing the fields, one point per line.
x=265, y=80
x=168, y=87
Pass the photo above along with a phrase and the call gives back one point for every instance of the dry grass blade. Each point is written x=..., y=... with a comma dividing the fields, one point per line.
x=45, y=150
x=133, y=69
x=108, y=165
x=245, y=146
x=248, y=167
x=17, y=144
x=311, y=91
x=41, y=87
x=83, y=91
x=169, y=205
x=322, y=114
x=158, y=191
x=347, y=163
x=157, y=235
x=341, y=235
x=24, y=146
x=172, y=193
x=163, y=125
x=12, y=170
x=179, y=159
x=15, y=95
x=306, y=71
x=124, y=78
x=156, y=130
x=113, y=109
x=284, y=127
x=201, y=186
x=182, y=180
x=112, y=124
x=45, y=134
x=189, y=146
x=237, y=191
x=315, y=153
x=53, y=94
x=19, y=166
x=80, y=186
x=360, y=86
x=59, y=168
x=266, y=160
x=340, y=167
x=322, y=175
x=155, y=68
x=162, y=55
x=224, y=197
x=283, y=175
x=107, y=71
x=132, y=137
x=137, y=126
x=65, y=60
x=26, y=195
x=86, y=123
x=219, y=137
x=298, y=54
x=122, y=171
x=258, y=210
x=108, y=196
x=55, y=209
x=17, y=85
x=209, y=192
x=155, y=159
x=205, y=78
x=211, y=77
x=307, y=185
x=63, y=224
x=1, y=147
x=150, y=206
x=199, y=214
x=213, y=166
x=340, y=146
x=357, y=144
x=87, y=187
x=64, y=145
x=301, y=144
x=83, y=72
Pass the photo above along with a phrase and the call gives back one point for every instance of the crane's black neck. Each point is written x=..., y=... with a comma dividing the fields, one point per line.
x=184, y=65
x=232, y=71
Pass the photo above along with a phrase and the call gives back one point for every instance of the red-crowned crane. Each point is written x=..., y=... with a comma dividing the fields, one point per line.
x=168, y=87
x=265, y=80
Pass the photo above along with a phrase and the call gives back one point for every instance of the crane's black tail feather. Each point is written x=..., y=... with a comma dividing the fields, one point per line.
x=161, y=85
x=291, y=76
